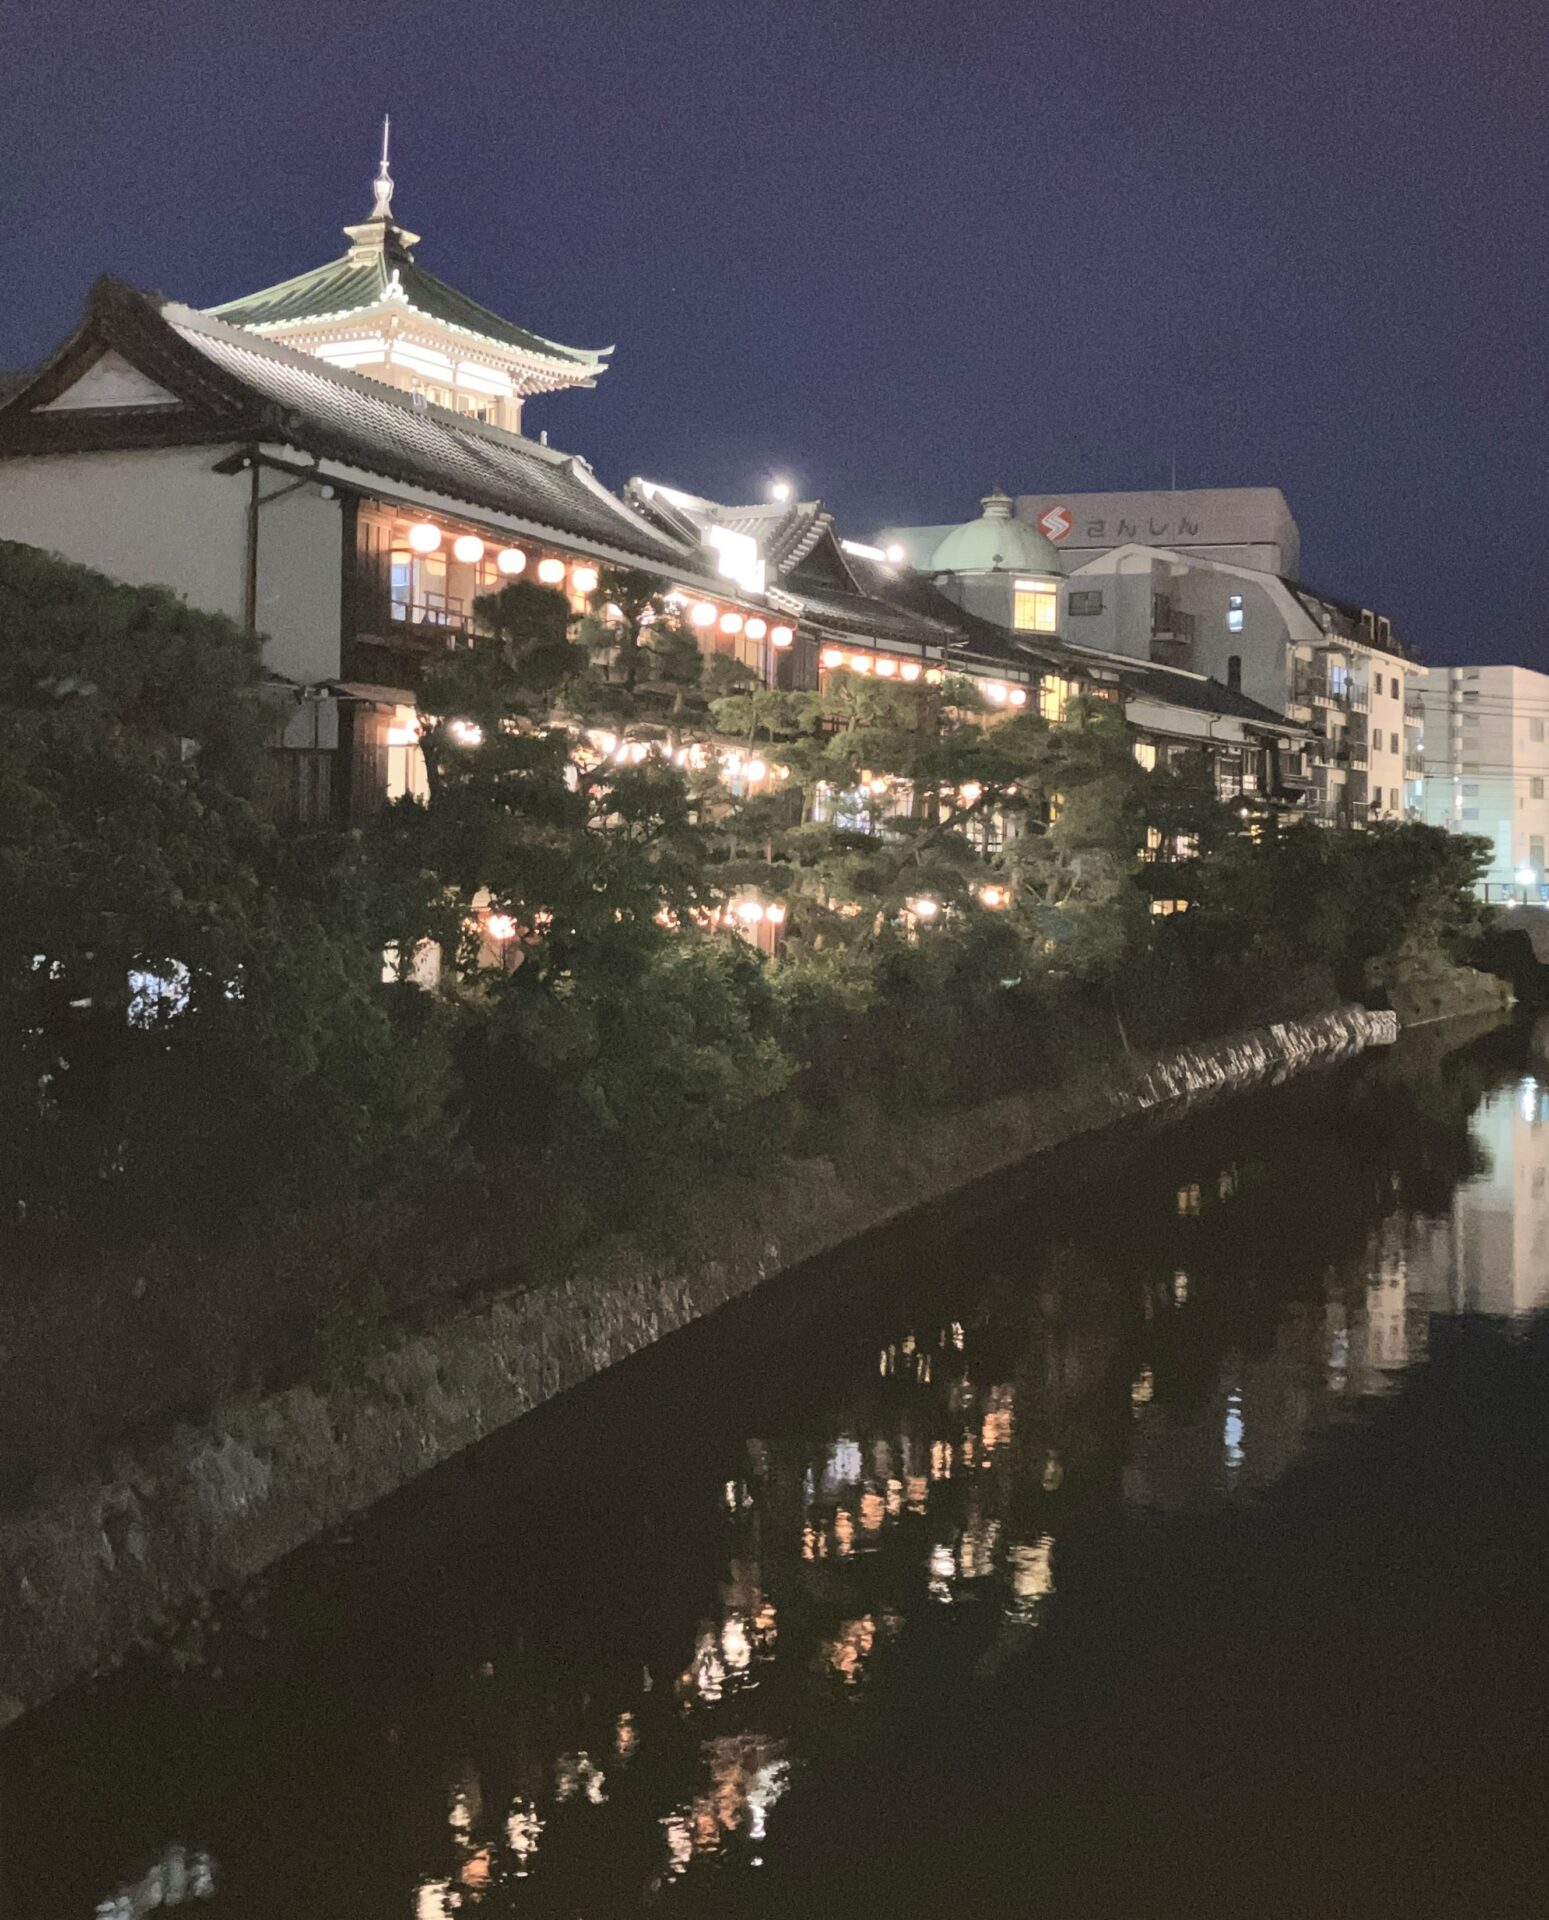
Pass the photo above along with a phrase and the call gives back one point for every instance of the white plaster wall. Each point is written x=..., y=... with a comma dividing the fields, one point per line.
x=300, y=582
x=164, y=517
x=152, y=518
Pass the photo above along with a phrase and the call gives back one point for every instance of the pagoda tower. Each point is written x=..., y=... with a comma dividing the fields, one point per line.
x=377, y=312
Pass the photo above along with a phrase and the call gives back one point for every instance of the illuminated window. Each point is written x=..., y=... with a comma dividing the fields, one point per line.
x=1234, y=614
x=1145, y=753
x=1054, y=696
x=1035, y=606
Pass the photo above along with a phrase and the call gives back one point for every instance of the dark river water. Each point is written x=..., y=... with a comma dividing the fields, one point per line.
x=1162, y=1531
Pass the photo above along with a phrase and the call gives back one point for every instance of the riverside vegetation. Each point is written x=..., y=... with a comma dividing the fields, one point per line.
x=230, y=1136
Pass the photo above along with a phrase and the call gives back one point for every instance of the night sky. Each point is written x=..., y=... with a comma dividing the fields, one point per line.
x=899, y=251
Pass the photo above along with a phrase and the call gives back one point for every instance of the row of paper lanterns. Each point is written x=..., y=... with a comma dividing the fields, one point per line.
x=425, y=537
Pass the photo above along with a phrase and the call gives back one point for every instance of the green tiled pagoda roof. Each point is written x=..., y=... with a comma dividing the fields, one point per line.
x=364, y=277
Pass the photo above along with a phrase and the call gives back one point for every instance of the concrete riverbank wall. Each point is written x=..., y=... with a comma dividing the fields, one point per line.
x=101, y=1556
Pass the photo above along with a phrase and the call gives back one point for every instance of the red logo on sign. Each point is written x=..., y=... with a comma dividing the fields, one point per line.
x=1056, y=522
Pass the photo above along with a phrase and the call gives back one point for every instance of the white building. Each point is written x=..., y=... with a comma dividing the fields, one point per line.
x=1249, y=526
x=1486, y=767
x=1336, y=667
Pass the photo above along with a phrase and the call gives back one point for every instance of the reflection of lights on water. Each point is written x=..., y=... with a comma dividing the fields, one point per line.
x=1338, y=1358
x=842, y=1468
x=578, y=1775
x=1032, y=1578
x=847, y=1653
x=1053, y=1472
x=1143, y=1391
x=942, y=1567
x=736, y=1647
x=434, y=1900
x=524, y=1829
x=1232, y=1432
x=748, y=1775
x=1180, y=1287
x=626, y=1736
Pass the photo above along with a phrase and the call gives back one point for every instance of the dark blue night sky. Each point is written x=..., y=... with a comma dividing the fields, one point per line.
x=899, y=251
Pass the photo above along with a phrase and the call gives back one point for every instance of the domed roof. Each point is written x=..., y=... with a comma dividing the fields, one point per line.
x=994, y=543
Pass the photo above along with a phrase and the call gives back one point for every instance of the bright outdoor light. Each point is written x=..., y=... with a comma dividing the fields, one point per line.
x=832, y=656
x=909, y=670
x=780, y=490
x=467, y=547
x=860, y=663
x=924, y=908
x=467, y=733
x=1527, y=876
x=992, y=896
x=551, y=572
x=731, y=623
x=886, y=668
x=996, y=691
x=500, y=927
x=584, y=579
x=510, y=560
x=756, y=629
x=774, y=914
x=754, y=770
x=933, y=677
x=702, y=614
x=749, y=912
x=895, y=553
x=1017, y=696
x=781, y=637
x=424, y=537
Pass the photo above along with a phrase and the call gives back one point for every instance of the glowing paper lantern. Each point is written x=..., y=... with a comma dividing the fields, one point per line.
x=468, y=548
x=731, y=623
x=551, y=572
x=584, y=579
x=424, y=537
x=756, y=629
x=702, y=614
x=832, y=656
x=510, y=560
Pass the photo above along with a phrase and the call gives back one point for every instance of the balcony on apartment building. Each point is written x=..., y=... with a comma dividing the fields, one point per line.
x=1172, y=633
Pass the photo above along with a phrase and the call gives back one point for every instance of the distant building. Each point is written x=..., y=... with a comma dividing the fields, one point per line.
x=376, y=311
x=1334, y=666
x=1486, y=767
x=1248, y=526
x=996, y=567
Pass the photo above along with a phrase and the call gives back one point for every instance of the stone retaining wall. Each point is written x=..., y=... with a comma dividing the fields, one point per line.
x=99, y=1557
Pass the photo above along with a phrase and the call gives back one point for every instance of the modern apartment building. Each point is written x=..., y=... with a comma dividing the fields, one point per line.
x=1486, y=767
x=1335, y=667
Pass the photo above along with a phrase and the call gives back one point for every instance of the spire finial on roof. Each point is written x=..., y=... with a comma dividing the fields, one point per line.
x=383, y=210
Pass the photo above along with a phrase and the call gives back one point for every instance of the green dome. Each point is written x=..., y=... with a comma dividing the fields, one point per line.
x=994, y=543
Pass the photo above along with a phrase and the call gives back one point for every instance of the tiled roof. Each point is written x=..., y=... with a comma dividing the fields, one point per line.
x=237, y=385
x=366, y=276
x=1198, y=693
